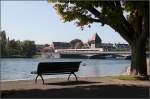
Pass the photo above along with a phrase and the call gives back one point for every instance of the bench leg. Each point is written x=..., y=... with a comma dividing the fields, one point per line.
x=42, y=78
x=36, y=78
x=69, y=76
x=75, y=76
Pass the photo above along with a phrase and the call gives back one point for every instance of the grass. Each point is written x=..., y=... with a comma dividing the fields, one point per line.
x=128, y=77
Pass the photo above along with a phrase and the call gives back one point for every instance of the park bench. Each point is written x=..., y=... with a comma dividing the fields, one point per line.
x=53, y=68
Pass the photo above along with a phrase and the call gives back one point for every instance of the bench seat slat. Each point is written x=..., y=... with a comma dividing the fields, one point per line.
x=58, y=67
x=56, y=73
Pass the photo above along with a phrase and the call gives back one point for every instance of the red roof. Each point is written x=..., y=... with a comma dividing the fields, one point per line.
x=96, y=38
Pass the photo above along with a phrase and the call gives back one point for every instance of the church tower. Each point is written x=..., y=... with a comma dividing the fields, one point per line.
x=95, y=41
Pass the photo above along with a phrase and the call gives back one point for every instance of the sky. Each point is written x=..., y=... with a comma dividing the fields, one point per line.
x=38, y=21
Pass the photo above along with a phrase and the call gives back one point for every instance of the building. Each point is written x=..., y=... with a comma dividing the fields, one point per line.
x=121, y=46
x=60, y=45
x=95, y=41
x=107, y=46
x=47, y=49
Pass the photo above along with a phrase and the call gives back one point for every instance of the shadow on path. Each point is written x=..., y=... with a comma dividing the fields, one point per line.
x=91, y=91
x=67, y=83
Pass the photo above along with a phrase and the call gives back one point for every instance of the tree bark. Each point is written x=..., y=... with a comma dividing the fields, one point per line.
x=138, y=61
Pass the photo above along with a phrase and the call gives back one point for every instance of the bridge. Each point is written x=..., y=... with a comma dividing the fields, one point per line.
x=91, y=52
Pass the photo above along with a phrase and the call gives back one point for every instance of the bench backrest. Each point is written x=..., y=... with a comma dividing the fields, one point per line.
x=57, y=67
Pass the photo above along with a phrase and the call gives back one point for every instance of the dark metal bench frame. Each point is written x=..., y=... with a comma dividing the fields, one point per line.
x=42, y=72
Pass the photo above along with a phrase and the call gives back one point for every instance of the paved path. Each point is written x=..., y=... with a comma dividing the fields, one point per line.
x=86, y=87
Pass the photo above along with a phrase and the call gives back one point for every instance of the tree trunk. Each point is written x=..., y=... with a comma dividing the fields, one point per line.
x=138, y=61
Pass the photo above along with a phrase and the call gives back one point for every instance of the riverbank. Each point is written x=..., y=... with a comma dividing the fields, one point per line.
x=86, y=87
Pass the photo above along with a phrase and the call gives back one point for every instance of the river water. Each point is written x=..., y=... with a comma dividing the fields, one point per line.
x=20, y=68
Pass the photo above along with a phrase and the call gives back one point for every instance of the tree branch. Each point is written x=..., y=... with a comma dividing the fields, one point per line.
x=124, y=28
x=96, y=13
x=89, y=18
x=124, y=31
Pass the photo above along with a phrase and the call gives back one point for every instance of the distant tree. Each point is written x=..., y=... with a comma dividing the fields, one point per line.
x=134, y=29
x=46, y=45
x=7, y=47
x=79, y=45
x=3, y=41
x=13, y=44
x=19, y=47
x=13, y=47
x=91, y=42
x=29, y=48
x=74, y=42
x=85, y=46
